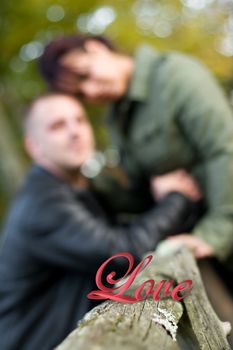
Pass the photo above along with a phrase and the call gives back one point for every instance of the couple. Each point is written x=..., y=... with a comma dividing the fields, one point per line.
x=58, y=232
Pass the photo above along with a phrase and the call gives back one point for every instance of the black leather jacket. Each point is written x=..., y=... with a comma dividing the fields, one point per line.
x=54, y=240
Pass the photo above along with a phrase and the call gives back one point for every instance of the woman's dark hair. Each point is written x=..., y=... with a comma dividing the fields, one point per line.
x=49, y=65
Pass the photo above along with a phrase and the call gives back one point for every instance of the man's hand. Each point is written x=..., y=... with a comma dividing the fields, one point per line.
x=176, y=181
x=200, y=248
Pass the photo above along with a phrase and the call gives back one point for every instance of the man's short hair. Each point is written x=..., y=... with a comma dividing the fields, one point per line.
x=49, y=64
x=26, y=121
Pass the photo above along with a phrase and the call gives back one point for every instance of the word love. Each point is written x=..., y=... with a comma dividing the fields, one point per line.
x=158, y=291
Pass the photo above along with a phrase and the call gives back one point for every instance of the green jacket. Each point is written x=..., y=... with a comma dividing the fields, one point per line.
x=176, y=116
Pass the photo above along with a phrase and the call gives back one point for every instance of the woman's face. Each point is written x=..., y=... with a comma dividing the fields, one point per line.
x=93, y=74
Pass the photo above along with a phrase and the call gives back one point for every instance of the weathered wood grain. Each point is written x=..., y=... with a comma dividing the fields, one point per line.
x=113, y=325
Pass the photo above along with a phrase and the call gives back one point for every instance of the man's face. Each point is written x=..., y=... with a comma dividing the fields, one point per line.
x=93, y=74
x=60, y=135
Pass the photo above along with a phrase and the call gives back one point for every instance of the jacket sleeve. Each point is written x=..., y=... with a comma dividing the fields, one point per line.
x=206, y=119
x=129, y=196
x=68, y=235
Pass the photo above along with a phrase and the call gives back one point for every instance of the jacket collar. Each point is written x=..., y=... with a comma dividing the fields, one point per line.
x=46, y=177
x=145, y=57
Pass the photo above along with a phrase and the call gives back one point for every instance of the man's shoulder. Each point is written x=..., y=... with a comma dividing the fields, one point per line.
x=35, y=198
x=40, y=184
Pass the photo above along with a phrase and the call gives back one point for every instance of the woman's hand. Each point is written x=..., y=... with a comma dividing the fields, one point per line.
x=199, y=247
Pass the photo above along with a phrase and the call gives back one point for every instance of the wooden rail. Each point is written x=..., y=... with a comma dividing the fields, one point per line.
x=149, y=324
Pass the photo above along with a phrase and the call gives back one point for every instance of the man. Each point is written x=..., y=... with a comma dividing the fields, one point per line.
x=167, y=112
x=57, y=234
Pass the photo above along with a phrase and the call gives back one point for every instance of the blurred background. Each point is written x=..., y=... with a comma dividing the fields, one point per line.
x=203, y=28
